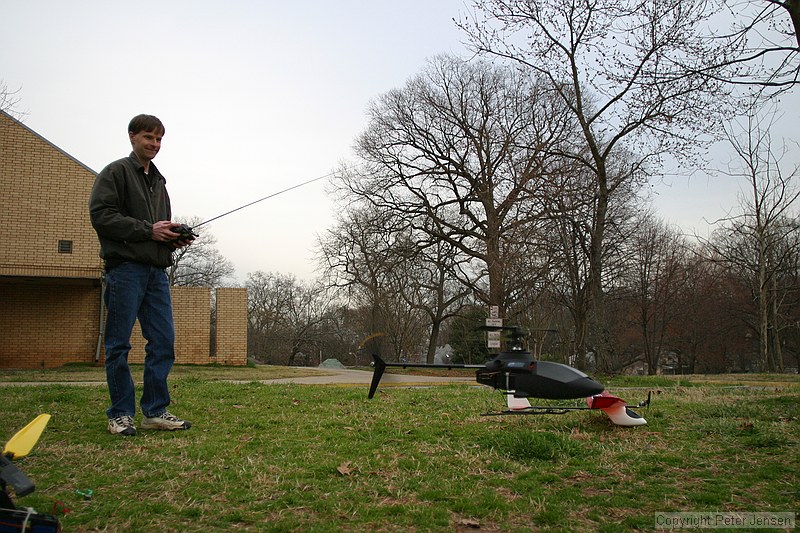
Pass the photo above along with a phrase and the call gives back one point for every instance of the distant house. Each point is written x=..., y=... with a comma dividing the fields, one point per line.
x=51, y=272
x=669, y=364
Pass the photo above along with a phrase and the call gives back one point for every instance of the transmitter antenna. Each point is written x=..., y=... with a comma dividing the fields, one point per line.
x=328, y=175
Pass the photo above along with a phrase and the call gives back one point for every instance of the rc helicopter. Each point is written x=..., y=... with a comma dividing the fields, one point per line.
x=13, y=518
x=519, y=376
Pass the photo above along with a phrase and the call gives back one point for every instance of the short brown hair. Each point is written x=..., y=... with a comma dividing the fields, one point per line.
x=146, y=123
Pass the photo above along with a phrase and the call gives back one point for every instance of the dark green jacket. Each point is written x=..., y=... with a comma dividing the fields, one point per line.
x=123, y=206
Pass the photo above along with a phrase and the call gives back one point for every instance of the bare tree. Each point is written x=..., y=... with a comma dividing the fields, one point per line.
x=789, y=304
x=657, y=275
x=286, y=318
x=761, y=47
x=459, y=154
x=9, y=100
x=702, y=332
x=569, y=250
x=430, y=281
x=753, y=242
x=268, y=295
x=368, y=255
x=615, y=66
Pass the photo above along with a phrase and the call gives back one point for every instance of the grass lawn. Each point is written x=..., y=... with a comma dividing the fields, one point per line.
x=304, y=458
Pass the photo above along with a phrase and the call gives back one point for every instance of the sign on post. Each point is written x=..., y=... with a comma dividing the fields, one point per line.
x=494, y=322
x=493, y=337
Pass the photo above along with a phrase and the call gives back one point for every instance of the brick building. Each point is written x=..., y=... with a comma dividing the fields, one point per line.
x=51, y=271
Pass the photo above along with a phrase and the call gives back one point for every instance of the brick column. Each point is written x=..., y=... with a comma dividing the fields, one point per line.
x=231, y=332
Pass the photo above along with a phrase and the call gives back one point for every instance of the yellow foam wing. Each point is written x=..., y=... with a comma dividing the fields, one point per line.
x=26, y=438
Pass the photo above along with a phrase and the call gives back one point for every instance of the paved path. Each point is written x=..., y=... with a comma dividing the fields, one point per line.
x=357, y=377
x=332, y=376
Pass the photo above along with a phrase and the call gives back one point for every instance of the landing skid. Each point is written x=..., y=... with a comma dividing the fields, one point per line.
x=538, y=410
x=615, y=408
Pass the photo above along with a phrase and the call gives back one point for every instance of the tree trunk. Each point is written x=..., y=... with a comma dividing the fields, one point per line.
x=776, y=353
x=433, y=341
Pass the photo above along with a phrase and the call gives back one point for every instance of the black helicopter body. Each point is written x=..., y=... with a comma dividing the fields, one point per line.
x=517, y=371
x=519, y=376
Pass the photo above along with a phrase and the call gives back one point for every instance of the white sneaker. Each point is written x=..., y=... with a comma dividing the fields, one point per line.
x=166, y=421
x=122, y=425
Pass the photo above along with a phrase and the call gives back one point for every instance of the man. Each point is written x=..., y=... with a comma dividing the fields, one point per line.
x=130, y=210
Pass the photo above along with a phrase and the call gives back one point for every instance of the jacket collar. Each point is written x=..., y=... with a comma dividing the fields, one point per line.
x=153, y=173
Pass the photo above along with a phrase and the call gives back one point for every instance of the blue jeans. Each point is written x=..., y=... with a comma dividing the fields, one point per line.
x=135, y=290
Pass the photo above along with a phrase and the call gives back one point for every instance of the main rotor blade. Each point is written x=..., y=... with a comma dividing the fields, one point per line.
x=380, y=367
x=434, y=365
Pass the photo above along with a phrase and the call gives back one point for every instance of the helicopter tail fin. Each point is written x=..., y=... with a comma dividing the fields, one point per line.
x=379, y=367
x=616, y=409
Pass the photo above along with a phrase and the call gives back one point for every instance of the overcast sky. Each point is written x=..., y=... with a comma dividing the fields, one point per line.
x=256, y=96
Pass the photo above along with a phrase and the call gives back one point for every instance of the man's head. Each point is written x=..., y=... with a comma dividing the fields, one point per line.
x=147, y=123
x=145, y=132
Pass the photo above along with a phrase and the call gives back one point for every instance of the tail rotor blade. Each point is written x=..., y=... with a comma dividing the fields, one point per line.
x=377, y=374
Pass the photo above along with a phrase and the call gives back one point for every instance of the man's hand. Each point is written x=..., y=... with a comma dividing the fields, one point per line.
x=163, y=232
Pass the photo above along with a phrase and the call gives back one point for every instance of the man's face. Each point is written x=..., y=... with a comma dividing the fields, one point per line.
x=146, y=144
